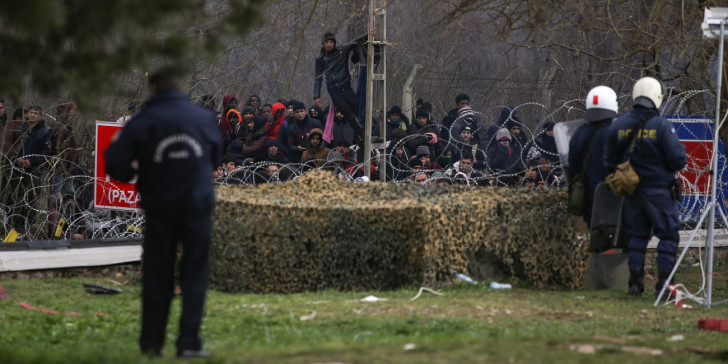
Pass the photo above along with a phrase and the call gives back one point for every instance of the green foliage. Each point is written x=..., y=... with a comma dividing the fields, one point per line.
x=467, y=324
x=83, y=46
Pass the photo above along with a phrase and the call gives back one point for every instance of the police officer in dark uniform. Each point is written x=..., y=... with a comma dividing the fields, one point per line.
x=173, y=146
x=651, y=210
x=601, y=108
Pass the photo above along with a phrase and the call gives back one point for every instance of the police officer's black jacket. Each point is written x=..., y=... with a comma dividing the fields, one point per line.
x=177, y=145
x=658, y=153
x=334, y=66
x=596, y=171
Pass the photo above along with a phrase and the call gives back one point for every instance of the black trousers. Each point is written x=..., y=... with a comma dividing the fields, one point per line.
x=21, y=195
x=163, y=232
x=347, y=103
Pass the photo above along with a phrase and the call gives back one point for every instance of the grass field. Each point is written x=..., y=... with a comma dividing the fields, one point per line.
x=467, y=324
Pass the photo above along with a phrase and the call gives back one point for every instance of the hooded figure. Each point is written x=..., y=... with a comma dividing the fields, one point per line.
x=342, y=129
x=397, y=158
x=544, y=146
x=315, y=149
x=272, y=153
x=236, y=121
x=461, y=100
x=254, y=143
x=315, y=112
x=226, y=128
x=274, y=125
x=428, y=126
x=504, y=158
x=235, y=151
x=396, y=119
x=507, y=113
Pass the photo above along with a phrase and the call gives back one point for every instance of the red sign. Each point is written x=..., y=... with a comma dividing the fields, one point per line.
x=109, y=193
x=697, y=172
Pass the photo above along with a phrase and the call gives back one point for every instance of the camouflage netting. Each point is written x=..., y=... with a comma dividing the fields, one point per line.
x=317, y=233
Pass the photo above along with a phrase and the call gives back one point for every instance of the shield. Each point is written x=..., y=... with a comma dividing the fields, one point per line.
x=563, y=131
x=605, y=232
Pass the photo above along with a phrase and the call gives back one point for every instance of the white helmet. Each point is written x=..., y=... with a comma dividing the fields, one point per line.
x=602, y=97
x=601, y=103
x=648, y=88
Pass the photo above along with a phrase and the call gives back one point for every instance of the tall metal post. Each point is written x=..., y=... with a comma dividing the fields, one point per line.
x=711, y=15
x=376, y=84
x=714, y=171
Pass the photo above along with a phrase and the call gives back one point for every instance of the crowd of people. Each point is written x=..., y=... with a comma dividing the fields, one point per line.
x=270, y=142
x=276, y=142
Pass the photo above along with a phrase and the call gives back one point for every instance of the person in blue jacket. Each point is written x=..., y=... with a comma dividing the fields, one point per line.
x=173, y=146
x=652, y=209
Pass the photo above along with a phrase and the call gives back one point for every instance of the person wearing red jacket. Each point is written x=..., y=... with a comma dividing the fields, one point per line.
x=274, y=124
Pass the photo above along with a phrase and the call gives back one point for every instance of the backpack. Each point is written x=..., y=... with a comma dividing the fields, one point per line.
x=624, y=180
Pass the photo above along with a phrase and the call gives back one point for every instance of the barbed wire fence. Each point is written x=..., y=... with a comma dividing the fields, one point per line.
x=54, y=200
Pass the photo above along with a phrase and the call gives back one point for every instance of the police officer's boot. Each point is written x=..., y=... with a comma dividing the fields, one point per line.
x=661, y=279
x=636, y=281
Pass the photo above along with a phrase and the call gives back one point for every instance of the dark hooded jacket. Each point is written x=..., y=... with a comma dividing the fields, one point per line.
x=277, y=158
x=226, y=129
x=342, y=130
x=319, y=114
x=579, y=148
x=397, y=168
x=430, y=127
x=504, y=160
x=254, y=143
x=391, y=125
x=544, y=146
x=507, y=113
x=447, y=122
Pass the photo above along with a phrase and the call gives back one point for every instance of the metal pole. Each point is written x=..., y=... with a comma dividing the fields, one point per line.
x=370, y=93
x=383, y=92
x=714, y=171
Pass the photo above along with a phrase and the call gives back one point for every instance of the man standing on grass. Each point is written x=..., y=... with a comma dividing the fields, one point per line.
x=174, y=147
x=650, y=143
